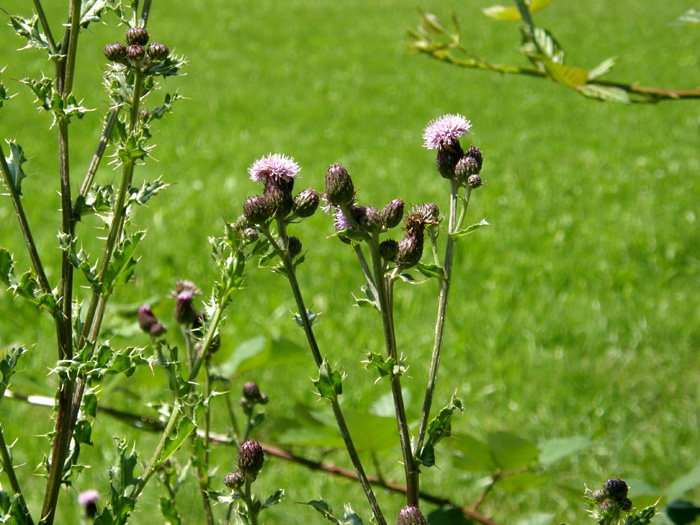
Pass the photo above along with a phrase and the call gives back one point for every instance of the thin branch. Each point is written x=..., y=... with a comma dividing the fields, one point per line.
x=9, y=469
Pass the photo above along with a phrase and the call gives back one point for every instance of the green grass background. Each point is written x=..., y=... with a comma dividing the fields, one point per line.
x=577, y=313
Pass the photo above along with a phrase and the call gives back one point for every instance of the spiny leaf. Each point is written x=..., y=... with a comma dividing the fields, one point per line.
x=461, y=233
x=185, y=428
x=26, y=286
x=330, y=381
x=123, y=264
x=440, y=427
x=30, y=30
x=431, y=270
x=14, y=163
x=160, y=111
x=92, y=10
x=274, y=499
x=146, y=191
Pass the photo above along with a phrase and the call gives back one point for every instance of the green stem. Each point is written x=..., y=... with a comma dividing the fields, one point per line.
x=313, y=345
x=232, y=416
x=46, y=27
x=246, y=496
x=203, y=469
x=7, y=466
x=444, y=294
x=385, y=289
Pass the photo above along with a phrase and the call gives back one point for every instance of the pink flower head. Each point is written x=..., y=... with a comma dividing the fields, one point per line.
x=275, y=168
x=445, y=130
x=88, y=497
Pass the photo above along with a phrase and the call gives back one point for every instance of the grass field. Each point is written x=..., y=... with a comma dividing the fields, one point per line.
x=576, y=314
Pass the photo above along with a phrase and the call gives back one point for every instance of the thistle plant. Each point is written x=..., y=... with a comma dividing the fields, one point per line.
x=383, y=262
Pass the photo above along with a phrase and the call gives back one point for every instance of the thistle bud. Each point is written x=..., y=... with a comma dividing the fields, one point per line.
x=234, y=480
x=410, y=249
x=625, y=504
x=475, y=153
x=447, y=160
x=144, y=115
x=157, y=330
x=388, y=249
x=306, y=203
x=258, y=210
x=264, y=399
x=466, y=167
x=115, y=51
x=250, y=235
x=474, y=181
x=242, y=223
x=294, y=246
x=251, y=391
x=250, y=458
x=339, y=187
x=146, y=318
x=393, y=213
x=135, y=52
x=615, y=489
x=137, y=35
x=368, y=218
x=158, y=51
x=598, y=495
x=185, y=312
x=411, y=515
x=280, y=199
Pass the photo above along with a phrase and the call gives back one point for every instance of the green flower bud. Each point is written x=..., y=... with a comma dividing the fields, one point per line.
x=280, y=199
x=625, y=504
x=294, y=246
x=234, y=480
x=410, y=249
x=474, y=181
x=368, y=218
x=339, y=187
x=251, y=391
x=389, y=249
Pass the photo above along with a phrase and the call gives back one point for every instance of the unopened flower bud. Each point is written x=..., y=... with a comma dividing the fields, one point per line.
x=625, y=504
x=135, y=52
x=411, y=515
x=234, y=480
x=294, y=246
x=146, y=318
x=158, y=51
x=410, y=249
x=339, y=187
x=598, y=495
x=250, y=458
x=250, y=235
x=143, y=114
x=447, y=160
x=475, y=153
x=115, y=51
x=306, y=203
x=258, y=210
x=157, y=330
x=185, y=312
x=251, y=391
x=388, y=249
x=280, y=199
x=368, y=218
x=466, y=167
x=242, y=223
x=474, y=181
x=615, y=489
x=393, y=213
x=137, y=35
x=264, y=399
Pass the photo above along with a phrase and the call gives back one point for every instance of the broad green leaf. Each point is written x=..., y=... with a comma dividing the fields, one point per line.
x=325, y=437
x=605, y=93
x=472, y=454
x=384, y=406
x=274, y=499
x=445, y=516
x=522, y=481
x=169, y=511
x=682, y=512
x=566, y=75
x=431, y=270
x=184, y=430
x=323, y=508
x=555, y=450
x=683, y=484
x=512, y=452
x=14, y=163
x=461, y=233
x=602, y=69
x=261, y=352
x=371, y=433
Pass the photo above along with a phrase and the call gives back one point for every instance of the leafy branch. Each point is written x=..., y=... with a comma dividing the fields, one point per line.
x=545, y=54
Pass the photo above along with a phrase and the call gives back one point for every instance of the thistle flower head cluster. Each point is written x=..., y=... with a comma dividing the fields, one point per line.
x=148, y=322
x=137, y=54
x=277, y=173
x=452, y=162
x=610, y=501
x=251, y=396
x=410, y=248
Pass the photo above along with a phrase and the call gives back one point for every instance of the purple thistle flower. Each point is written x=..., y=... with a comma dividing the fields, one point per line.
x=445, y=130
x=275, y=168
x=88, y=499
x=340, y=221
